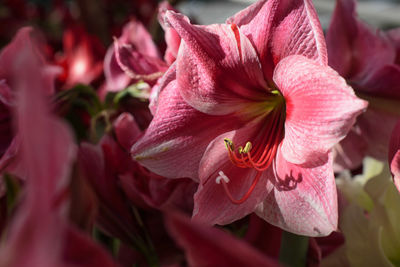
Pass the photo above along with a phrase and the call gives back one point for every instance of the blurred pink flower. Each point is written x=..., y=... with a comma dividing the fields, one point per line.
x=366, y=58
x=82, y=57
x=261, y=81
x=119, y=180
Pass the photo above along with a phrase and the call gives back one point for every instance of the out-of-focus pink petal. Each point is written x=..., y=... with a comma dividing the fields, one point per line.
x=206, y=246
x=212, y=205
x=6, y=96
x=394, y=155
x=320, y=108
x=115, y=215
x=159, y=192
x=354, y=49
x=385, y=82
x=126, y=130
x=47, y=153
x=9, y=155
x=282, y=28
x=172, y=38
x=80, y=250
x=136, y=34
x=394, y=36
x=25, y=37
x=303, y=199
x=264, y=236
x=350, y=152
x=377, y=127
x=177, y=137
x=116, y=78
x=218, y=70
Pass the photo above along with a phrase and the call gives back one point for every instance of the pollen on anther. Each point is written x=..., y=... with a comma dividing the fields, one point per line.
x=220, y=177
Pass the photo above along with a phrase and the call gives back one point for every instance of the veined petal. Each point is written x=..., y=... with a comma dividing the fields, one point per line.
x=303, y=199
x=354, y=49
x=320, y=108
x=282, y=28
x=178, y=135
x=207, y=246
x=212, y=204
x=172, y=38
x=218, y=70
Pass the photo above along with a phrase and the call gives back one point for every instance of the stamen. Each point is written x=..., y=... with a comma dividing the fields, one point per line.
x=225, y=180
x=260, y=156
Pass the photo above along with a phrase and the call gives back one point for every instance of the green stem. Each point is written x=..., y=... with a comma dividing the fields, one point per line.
x=293, y=250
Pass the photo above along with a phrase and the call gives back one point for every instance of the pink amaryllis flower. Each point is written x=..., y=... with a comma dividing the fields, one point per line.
x=251, y=110
x=369, y=61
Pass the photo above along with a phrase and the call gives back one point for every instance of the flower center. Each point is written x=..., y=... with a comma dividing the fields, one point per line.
x=260, y=154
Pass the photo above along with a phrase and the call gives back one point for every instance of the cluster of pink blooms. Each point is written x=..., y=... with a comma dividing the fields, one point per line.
x=203, y=156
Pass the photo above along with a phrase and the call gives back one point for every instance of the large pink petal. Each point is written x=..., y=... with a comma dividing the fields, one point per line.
x=394, y=155
x=218, y=70
x=206, y=246
x=282, y=28
x=320, y=108
x=354, y=49
x=212, y=205
x=303, y=199
x=177, y=137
